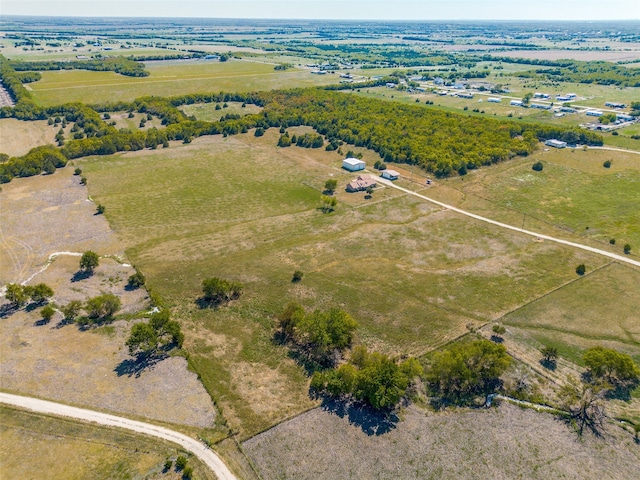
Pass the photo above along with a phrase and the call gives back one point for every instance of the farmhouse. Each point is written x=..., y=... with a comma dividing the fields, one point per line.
x=353, y=164
x=361, y=183
x=614, y=105
x=465, y=95
x=517, y=103
x=594, y=113
x=623, y=117
x=494, y=99
x=541, y=95
x=390, y=174
x=541, y=106
x=563, y=98
x=552, y=142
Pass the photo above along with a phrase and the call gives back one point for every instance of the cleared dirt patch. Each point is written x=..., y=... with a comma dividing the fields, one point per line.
x=17, y=137
x=502, y=443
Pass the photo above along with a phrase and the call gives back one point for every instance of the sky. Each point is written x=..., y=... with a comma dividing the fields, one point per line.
x=334, y=9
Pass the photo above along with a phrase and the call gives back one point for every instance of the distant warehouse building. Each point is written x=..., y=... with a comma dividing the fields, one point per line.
x=594, y=113
x=517, y=103
x=552, y=142
x=353, y=164
x=623, y=117
x=614, y=105
x=494, y=99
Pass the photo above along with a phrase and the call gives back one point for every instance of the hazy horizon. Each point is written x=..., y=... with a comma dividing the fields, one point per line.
x=356, y=10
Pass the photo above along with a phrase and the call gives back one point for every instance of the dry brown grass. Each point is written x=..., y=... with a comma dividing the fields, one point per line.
x=502, y=443
x=18, y=137
x=92, y=368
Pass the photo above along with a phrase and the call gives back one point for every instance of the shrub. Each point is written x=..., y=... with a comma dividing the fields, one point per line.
x=100, y=209
x=181, y=462
x=538, y=166
x=627, y=248
x=607, y=164
x=581, y=269
x=297, y=276
x=216, y=290
x=77, y=171
x=612, y=241
x=103, y=306
x=136, y=281
x=259, y=132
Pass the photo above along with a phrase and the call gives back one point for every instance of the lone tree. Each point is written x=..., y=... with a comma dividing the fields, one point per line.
x=627, y=249
x=328, y=203
x=581, y=269
x=538, y=166
x=103, y=306
x=549, y=357
x=100, y=209
x=47, y=313
x=217, y=290
x=584, y=403
x=330, y=185
x=615, y=368
x=16, y=295
x=89, y=261
x=466, y=370
x=71, y=310
x=499, y=330
x=40, y=293
x=297, y=276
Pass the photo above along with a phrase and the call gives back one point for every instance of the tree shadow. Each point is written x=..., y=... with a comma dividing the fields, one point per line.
x=204, y=303
x=133, y=367
x=548, y=364
x=41, y=322
x=63, y=323
x=497, y=339
x=87, y=323
x=8, y=309
x=370, y=421
x=81, y=275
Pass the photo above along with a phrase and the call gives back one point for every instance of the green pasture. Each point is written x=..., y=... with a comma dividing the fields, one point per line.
x=574, y=193
x=412, y=275
x=167, y=79
x=573, y=318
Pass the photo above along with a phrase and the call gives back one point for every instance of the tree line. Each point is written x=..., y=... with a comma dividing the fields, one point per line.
x=122, y=65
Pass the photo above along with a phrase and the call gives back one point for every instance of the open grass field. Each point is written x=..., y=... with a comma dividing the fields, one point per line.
x=42, y=447
x=18, y=137
x=208, y=112
x=240, y=208
x=168, y=78
x=570, y=318
x=503, y=443
x=574, y=192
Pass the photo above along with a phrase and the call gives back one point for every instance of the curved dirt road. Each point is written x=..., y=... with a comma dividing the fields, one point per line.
x=208, y=456
x=620, y=258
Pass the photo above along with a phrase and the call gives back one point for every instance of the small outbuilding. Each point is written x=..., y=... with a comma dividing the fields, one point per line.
x=390, y=174
x=552, y=142
x=353, y=164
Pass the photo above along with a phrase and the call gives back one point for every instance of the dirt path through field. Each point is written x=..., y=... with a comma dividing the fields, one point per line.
x=208, y=456
x=614, y=256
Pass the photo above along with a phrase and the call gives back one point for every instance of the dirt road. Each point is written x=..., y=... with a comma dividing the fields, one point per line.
x=208, y=456
x=619, y=258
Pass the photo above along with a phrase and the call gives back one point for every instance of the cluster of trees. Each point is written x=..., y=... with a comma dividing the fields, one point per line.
x=309, y=140
x=217, y=290
x=320, y=335
x=157, y=335
x=121, y=65
x=371, y=377
x=39, y=159
x=19, y=295
x=464, y=371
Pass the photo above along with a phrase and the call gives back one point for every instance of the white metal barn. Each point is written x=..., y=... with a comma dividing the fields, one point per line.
x=353, y=164
x=390, y=174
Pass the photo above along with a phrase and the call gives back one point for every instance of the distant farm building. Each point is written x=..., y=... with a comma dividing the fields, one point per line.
x=568, y=110
x=353, y=164
x=540, y=106
x=517, y=103
x=555, y=143
x=623, y=117
x=614, y=105
x=563, y=98
x=594, y=113
x=361, y=183
x=541, y=95
x=390, y=174
x=465, y=95
x=494, y=100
